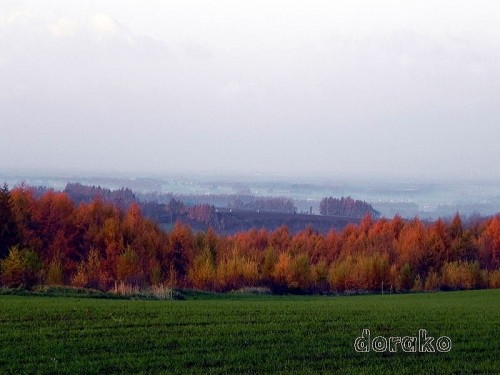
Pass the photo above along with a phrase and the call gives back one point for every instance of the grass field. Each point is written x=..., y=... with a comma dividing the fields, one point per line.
x=246, y=334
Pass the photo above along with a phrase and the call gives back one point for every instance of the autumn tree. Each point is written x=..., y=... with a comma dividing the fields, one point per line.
x=405, y=278
x=91, y=273
x=54, y=217
x=55, y=274
x=235, y=271
x=202, y=273
x=461, y=275
x=319, y=276
x=490, y=245
x=179, y=253
x=21, y=267
x=411, y=246
x=268, y=265
x=128, y=268
x=342, y=275
x=292, y=273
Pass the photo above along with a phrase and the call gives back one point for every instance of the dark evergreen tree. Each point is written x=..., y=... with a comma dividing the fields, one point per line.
x=8, y=230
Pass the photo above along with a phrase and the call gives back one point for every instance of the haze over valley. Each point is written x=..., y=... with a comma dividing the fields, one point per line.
x=427, y=200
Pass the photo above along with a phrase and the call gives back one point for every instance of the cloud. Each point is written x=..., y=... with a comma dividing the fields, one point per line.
x=322, y=86
x=103, y=24
x=107, y=28
x=63, y=27
x=233, y=89
x=16, y=17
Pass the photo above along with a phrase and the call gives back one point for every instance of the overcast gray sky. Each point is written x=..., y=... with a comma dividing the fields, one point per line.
x=356, y=88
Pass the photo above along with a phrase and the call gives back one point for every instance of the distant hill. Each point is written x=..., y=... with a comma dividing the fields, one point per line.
x=240, y=212
x=85, y=194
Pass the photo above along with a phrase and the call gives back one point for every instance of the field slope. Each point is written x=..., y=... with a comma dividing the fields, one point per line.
x=258, y=334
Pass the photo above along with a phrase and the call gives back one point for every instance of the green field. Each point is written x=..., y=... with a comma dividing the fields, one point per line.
x=246, y=334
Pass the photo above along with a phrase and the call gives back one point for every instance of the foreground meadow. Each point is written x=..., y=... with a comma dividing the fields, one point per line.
x=246, y=334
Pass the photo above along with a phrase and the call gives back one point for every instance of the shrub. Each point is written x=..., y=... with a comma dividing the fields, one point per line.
x=21, y=268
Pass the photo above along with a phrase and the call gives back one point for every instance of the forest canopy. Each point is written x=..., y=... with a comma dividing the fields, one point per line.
x=50, y=239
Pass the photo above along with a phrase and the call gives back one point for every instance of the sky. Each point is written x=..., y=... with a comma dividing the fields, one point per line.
x=390, y=89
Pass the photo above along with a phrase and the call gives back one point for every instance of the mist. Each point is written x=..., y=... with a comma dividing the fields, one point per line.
x=393, y=90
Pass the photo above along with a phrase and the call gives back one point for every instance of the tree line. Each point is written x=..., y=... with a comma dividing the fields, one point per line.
x=237, y=201
x=346, y=207
x=49, y=239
